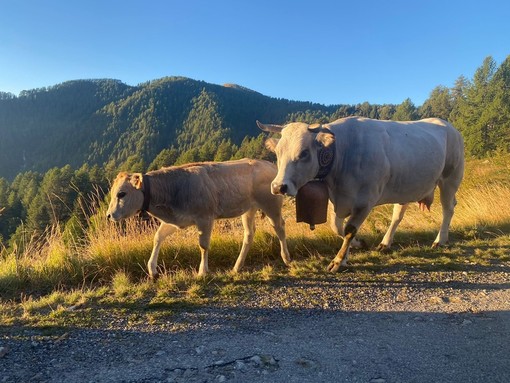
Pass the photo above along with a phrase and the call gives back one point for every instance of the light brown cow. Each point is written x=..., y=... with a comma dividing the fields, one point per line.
x=197, y=194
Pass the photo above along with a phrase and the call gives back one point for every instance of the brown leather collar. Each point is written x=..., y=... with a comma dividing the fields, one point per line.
x=146, y=190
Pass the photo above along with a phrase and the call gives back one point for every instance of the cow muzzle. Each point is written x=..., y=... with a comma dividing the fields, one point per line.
x=111, y=217
x=277, y=188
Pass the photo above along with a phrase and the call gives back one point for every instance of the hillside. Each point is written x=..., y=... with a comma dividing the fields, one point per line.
x=175, y=120
x=106, y=121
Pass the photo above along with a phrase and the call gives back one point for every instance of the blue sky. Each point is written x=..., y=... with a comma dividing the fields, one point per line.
x=330, y=52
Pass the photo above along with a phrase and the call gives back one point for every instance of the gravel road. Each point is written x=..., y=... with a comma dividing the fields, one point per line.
x=454, y=329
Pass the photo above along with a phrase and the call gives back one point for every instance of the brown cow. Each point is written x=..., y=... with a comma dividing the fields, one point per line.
x=197, y=194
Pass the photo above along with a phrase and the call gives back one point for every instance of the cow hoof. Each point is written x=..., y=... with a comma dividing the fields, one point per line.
x=383, y=248
x=154, y=277
x=437, y=245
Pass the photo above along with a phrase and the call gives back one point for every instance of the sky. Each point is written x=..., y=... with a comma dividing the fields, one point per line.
x=328, y=52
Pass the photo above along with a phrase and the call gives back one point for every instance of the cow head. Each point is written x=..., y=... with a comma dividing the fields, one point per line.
x=126, y=196
x=297, y=153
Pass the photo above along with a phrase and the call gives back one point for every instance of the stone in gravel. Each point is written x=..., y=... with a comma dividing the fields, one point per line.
x=306, y=363
x=268, y=360
x=241, y=366
x=378, y=380
x=256, y=360
x=4, y=350
x=435, y=300
x=199, y=349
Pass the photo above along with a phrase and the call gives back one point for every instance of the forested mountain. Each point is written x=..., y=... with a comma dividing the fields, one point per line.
x=176, y=119
x=107, y=122
x=68, y=140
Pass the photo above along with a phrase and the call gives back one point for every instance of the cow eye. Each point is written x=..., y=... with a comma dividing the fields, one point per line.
x=121, y=195
x=304, y=154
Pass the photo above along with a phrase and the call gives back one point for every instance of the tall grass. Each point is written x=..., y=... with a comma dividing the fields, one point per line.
x=115, y=254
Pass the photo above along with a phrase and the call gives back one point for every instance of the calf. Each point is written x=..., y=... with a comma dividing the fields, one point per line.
x=197, y=194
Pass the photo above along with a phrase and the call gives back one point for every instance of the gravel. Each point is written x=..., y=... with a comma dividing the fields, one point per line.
x=423, y=327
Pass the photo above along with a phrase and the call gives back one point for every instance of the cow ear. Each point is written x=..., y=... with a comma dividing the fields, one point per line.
x=136, y=180
x=271, y=144
x=325, y=139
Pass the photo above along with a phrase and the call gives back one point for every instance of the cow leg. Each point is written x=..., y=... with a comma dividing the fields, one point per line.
x=448, y=202
x=337, y=225
x=278, y=224
x=398, y=214
x=248, y=220
x=343, y=253
x=351, y=228
x=204, y=239
x=162, y=233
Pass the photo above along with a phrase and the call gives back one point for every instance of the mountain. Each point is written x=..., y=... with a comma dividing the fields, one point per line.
x=106, y=121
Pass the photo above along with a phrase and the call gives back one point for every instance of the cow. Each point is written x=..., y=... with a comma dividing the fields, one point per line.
x=197, y=194
x=367, y=162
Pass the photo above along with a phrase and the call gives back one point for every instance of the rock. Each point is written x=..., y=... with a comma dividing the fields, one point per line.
x=268, y=360
x=240, y=366
x=4, y=350
x=255, y=359
x=435, y=300
x=199, y=349
x=306, y=363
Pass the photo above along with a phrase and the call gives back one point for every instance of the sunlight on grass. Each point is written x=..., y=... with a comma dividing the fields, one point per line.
x=46, y=276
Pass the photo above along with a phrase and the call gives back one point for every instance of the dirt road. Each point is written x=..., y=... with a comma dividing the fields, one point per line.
x=429, y=327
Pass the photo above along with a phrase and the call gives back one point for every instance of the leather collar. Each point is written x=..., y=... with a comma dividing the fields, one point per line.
x=146, y=190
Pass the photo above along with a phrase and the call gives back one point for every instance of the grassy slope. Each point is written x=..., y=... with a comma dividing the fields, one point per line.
x=46, y=283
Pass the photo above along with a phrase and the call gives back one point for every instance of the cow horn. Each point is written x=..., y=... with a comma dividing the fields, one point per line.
x=316, y=129
x=269, y=127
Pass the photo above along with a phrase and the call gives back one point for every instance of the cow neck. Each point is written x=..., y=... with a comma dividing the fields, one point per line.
x=146, y=190
x=326, y=157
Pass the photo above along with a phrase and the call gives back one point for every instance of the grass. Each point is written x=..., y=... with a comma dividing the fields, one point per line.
x=57, y=281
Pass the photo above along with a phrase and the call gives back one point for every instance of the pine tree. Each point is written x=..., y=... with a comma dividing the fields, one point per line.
x=439, y=104
x=474, y=115
x=405, y=111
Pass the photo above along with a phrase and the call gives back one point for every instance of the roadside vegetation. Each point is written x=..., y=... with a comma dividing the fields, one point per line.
x=72, y=275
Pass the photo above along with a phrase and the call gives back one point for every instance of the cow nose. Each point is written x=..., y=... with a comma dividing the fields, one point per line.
x=108, y=216
x=280, y=188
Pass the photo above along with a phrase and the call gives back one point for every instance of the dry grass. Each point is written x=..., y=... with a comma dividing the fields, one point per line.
x=113, y=256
